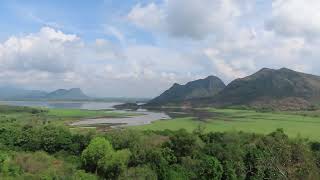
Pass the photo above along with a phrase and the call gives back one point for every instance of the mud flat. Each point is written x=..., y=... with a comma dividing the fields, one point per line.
x=147, y=117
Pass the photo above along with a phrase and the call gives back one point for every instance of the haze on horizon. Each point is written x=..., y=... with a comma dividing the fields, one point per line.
x=138, y=48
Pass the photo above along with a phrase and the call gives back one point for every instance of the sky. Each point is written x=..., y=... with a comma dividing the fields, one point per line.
x=139, y=48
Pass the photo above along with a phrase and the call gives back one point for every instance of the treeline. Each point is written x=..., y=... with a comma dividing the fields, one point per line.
x=54, y=152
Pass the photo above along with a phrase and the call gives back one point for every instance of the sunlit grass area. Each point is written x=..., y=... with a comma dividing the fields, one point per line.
x=79, y=113
x=25, y=115
x=303, y=124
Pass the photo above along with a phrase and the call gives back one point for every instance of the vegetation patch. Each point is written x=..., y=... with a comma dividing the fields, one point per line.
x=301, y=123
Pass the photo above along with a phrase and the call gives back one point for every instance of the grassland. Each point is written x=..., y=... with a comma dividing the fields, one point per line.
x=25, y=115
x=303, y=124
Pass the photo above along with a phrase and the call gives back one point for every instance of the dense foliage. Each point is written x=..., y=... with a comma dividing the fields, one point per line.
x=47, y=151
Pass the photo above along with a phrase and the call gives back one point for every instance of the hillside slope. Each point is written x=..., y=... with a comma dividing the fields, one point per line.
x=12, y=93
x=195, y=89
x=8, y=93
x=283, y=89
x=74, y=93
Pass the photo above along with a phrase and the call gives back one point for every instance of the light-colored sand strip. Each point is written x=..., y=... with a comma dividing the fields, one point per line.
x=146, y=118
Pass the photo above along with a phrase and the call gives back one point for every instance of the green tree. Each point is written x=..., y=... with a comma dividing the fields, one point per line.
x=55, y=138
x=7, y=168
x=182, y=143
x=112, y=165
x=98, y=148
x=139, y=173
x=81, y=175
x=210, y=168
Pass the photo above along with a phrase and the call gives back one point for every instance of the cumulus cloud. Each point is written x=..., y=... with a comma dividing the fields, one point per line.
x=151, y=16
x=295, y=18
x=186, y=18
x=197, y=19
x=243, y=46
x=229, y=71
x=224, y=38
x=52, y=58
x=48, y=50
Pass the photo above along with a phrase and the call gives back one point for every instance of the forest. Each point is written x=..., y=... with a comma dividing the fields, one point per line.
x=48, y=150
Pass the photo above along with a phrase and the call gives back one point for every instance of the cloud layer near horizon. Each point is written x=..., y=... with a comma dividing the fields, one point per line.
x=190, y=39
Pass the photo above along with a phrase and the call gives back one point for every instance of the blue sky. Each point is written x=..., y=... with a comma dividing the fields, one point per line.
x=82, y=17
x=138, y=48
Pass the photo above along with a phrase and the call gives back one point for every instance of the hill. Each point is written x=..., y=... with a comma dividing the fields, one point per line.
x=10, y=93
x=282, y=89
x=195, y=89
x=71, y=94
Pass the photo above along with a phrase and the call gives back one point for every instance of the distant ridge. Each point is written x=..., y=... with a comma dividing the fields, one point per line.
x=282, y=89
x=7, y=93
x=195, y=89
x=279, y=89
x=74, y=93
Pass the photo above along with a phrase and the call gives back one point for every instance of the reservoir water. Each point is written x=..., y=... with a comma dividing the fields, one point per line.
x=142, y=117
x=90, y=105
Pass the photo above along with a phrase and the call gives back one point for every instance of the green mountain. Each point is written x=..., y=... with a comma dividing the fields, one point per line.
x=195, y=89
x=70, y=94
x=10, y=93
x=282, y=89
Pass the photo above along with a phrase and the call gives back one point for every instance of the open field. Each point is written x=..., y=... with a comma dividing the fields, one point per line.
x=303, y=124
x=35, y=143
x=25, y=115
x=80, y=113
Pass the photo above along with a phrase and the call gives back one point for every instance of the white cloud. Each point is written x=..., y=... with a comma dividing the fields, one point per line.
x=223, y=39
x=227, y=70
x=186, y=18
x=116, y=33
x=48, y=50
x=295, y=17
x=151, y=16
x=51, y=58
x=198, y=19
x=56, y=35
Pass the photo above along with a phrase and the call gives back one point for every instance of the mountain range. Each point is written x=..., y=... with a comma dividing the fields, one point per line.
x=201, y=88
x=9, y=93
x=282, y=89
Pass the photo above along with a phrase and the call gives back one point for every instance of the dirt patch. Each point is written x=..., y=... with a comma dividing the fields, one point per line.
x=284, y=104
x=197, y=114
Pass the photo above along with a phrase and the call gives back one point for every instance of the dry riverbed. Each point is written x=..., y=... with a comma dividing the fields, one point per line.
x=141, y=118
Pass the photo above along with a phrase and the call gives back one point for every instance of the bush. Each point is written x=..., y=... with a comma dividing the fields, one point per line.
x=98, y=148
x=139, y=172
x=100, y=157
x=182, y=143
x=210, y=168
x=111, y=166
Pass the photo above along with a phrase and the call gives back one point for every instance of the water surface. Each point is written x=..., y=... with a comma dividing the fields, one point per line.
x=90, y=105
x=142, y=116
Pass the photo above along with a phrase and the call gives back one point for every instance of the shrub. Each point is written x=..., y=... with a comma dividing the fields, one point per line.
x=98, y=148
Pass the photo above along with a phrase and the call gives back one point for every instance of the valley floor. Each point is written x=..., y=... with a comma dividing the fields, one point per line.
x=304, y=124
x=40, y=144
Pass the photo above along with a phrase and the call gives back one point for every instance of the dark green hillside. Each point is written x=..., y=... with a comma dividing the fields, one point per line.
x=195, y=89
x=282, y=89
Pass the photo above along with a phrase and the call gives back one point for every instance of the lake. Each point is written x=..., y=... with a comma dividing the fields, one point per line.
x=90, y=105
x=143, y=116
